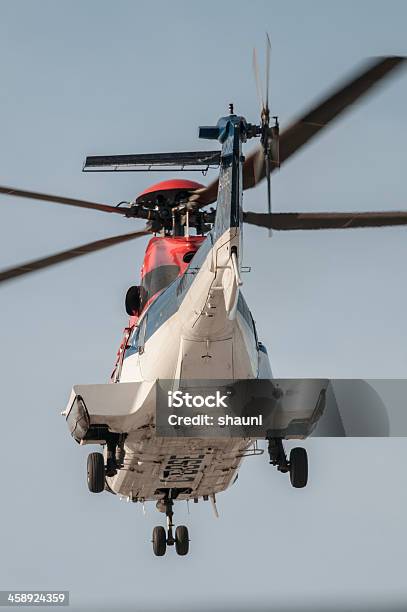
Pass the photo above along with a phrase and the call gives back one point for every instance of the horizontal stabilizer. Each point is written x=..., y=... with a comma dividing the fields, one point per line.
x=192, y=160
x=93, y=410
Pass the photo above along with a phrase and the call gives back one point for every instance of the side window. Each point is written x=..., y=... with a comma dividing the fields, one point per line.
x=254, y=330
x=133, y=341
x=137, y=338
x=141, y=335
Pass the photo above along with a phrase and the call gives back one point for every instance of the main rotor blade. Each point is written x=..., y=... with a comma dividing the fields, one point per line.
x=256, y=72
x=46, y=197
x=324, y=220
x=308, y=126
x=45, y=262
x=320, y=115
x=268, y=169
x=202, y=197
x=268, y=54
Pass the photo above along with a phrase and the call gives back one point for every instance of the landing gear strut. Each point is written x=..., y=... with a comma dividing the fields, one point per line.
x=170, y=525
x=297, y=465
x=161, y=539
x=111, y=464
x=96, y=467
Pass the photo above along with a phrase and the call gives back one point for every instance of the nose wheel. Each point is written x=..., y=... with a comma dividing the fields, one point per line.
x=296, y=466
x=161, y=539
x=181, y=540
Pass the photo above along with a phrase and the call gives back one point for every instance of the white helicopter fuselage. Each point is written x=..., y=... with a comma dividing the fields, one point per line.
x=210, y=336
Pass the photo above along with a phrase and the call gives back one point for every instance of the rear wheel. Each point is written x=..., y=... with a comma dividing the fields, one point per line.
x=96, y=472
x=298, y=467
x=181, y=540
x=159, y=541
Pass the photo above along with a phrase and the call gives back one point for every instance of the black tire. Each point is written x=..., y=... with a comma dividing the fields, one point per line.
x=96, y=472
x=298, y=467
x=181, y=540
x=133, y=301
x=159, y=541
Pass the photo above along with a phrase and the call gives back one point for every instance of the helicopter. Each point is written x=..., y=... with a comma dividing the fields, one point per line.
x=188, y=318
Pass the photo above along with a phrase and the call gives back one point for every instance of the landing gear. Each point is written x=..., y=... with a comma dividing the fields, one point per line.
x=181, y=540
x=96, y=468
x=96, y=472
x=111, y=464
x=161, y=539
x=170, y=525
x=297, y=466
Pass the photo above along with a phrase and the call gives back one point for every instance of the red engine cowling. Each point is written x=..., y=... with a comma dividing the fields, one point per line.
x=165, y=259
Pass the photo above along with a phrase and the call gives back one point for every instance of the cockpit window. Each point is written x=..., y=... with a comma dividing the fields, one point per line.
x=157, y=279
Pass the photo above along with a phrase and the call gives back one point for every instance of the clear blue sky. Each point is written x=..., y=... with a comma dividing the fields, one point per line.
x=103, y=77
